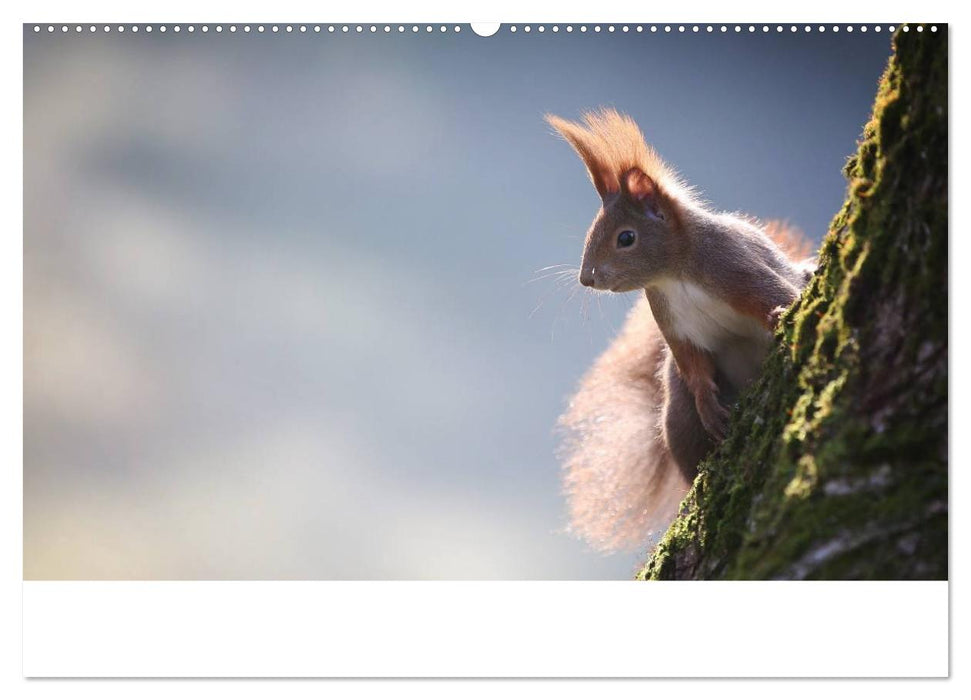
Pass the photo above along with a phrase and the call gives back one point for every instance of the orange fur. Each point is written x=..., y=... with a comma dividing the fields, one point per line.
x=610, y=144
x=791, y=240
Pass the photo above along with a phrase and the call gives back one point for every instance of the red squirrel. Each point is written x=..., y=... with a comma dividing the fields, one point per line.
x=656, y=402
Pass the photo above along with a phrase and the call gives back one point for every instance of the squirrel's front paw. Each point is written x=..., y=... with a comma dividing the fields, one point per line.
x=772, y=319
x=714, y=417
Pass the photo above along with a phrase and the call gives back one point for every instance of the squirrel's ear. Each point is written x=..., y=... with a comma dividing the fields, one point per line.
x=639, y=186
x=590, y=149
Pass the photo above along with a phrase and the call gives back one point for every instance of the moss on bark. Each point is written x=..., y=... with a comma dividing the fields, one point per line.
x=835, y=466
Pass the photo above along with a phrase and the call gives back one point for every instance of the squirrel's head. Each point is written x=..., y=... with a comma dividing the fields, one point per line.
x=636, y=235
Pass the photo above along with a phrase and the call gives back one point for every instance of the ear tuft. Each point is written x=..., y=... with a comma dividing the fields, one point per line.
x=611, y=145
x=590, y=149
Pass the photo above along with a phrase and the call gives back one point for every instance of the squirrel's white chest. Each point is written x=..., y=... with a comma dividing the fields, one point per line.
x=737, y=342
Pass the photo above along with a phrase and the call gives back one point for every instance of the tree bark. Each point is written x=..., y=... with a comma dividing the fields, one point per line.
x=835, y=466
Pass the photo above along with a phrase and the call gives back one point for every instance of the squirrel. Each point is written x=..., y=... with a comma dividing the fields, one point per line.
x=656, y=401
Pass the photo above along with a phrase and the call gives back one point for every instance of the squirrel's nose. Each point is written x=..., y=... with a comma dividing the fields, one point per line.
x=586, y=278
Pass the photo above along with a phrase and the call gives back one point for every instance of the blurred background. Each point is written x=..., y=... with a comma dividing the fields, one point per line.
x=284, y=313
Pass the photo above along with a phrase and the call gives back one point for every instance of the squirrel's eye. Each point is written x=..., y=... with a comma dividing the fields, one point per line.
x=625, y=239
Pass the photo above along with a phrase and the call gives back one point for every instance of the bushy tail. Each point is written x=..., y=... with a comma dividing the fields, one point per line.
x=791, y=240
x=621, y=482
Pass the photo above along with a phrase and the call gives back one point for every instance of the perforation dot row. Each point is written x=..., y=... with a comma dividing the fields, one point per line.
x=249, y=28
x=711, y=29
x=414, y=28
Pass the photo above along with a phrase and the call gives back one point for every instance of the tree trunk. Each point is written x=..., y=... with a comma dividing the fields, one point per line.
x=835, y=466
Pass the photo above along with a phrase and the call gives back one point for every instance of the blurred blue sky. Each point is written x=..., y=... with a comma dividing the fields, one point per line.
x=277, y=287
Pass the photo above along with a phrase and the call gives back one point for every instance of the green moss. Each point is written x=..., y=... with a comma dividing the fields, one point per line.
x=836, y=462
